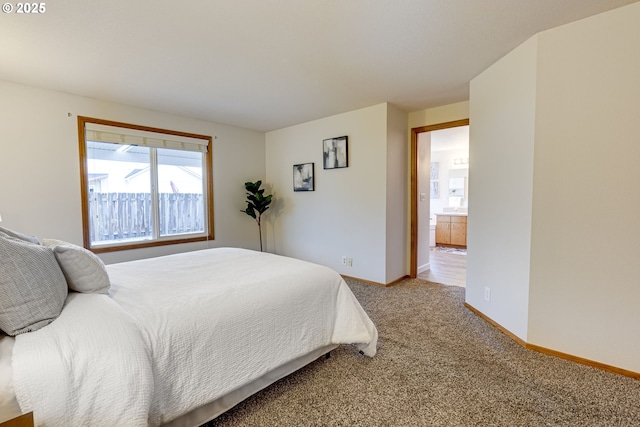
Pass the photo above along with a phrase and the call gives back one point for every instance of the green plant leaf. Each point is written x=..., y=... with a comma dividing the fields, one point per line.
x=257, y=202
x=250, y=211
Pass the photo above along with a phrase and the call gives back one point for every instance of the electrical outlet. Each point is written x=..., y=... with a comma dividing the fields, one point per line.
x=487, y=293
x=350, y=262
x=344, y=260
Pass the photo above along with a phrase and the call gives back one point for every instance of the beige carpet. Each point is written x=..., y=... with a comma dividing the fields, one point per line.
x=439, y=365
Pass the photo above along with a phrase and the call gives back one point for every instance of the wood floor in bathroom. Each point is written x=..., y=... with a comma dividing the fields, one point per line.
x=446, y=268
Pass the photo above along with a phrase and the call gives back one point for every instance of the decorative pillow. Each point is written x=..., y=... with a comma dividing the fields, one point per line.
x=32, y=286
x=84, y=270
x=18, y=235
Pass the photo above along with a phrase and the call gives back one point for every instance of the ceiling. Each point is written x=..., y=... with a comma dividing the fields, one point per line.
x=269, y=64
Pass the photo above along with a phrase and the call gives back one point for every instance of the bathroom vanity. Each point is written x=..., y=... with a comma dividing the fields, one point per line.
x=451, y=229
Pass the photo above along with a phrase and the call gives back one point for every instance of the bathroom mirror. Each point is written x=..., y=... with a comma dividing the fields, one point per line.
x=458, y=182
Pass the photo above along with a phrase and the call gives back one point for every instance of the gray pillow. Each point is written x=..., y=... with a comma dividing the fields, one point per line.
x=21, y=236
x=84, y=270
x=32, y=286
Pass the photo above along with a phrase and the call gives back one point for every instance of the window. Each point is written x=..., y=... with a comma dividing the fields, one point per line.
x=143, y=186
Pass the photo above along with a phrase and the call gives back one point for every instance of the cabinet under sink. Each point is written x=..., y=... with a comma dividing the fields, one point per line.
x=451, y=230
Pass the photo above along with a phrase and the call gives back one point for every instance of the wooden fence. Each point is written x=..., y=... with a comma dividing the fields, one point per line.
x=122, y=216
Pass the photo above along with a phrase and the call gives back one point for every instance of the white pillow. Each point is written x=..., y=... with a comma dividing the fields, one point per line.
x=84, y=270
x=21, y=236
x=32, y=286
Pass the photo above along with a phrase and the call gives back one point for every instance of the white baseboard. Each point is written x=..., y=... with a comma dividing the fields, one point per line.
x=424, y=267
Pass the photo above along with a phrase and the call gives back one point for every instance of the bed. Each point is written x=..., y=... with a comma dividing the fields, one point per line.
x=173, y=340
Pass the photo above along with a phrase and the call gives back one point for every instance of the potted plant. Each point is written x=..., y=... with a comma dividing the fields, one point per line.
x=257, y=203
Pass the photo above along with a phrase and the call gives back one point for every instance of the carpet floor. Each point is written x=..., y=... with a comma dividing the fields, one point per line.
x=438, y=364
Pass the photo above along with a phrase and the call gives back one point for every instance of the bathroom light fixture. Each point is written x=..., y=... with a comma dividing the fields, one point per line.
x=461, y=161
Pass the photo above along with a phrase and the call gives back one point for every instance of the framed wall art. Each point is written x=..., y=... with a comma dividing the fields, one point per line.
x=435, y=168
x=435, y=190
x=335, y=153
x=303, y=177
x=435, y=184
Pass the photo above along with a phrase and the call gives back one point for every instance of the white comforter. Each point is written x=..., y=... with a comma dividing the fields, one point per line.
x=178, y=332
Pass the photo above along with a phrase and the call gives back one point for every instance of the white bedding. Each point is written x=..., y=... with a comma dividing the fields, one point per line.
x=84, y=366
x=178, y=332
x=9, y=407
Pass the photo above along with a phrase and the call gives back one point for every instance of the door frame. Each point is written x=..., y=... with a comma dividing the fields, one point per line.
x=413, y=265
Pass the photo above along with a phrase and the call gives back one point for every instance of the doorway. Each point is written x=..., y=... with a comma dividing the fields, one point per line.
x=422, y=190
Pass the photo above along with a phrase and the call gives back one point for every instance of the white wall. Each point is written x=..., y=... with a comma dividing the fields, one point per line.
x=574, y=287
x=585, y=269
x=501, y=134
x=397, y=195
x=437, y=115
x=40, y=174
x=424, y=205
x=347, y=212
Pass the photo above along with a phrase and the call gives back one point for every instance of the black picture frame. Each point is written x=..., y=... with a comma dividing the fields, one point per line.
x=335, y=152
x=303, y=177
